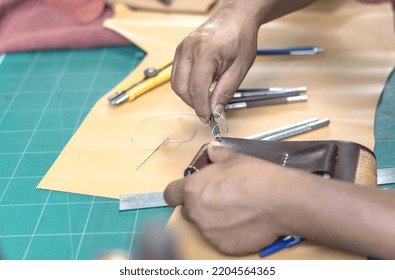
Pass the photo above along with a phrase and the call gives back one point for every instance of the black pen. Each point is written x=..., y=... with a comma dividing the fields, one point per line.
x=266, y=102
x=273, y=91
x=252, y=95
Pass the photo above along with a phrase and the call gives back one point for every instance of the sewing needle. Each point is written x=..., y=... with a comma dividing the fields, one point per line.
x=153, y=152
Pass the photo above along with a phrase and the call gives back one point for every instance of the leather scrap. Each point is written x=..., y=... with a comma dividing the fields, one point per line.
x=28, y=25
x=81, y=11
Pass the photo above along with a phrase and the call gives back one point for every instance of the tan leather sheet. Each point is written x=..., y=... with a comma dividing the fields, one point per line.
x=185, y=6
x=343, y=84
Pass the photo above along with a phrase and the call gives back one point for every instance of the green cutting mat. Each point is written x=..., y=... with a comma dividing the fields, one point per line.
x=44, y=96
x=384, y=131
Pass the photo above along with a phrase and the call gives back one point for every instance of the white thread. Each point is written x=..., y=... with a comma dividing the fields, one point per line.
x=166, y=139
x=222, y=117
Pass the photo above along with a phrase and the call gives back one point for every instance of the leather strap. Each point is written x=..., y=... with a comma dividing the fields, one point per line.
x=336, y=159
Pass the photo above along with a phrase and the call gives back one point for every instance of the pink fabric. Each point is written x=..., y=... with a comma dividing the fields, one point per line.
x=376, y=1
x=35, y=25
x=82, y=11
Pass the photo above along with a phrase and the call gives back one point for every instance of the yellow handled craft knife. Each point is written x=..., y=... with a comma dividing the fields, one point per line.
x=151, y=78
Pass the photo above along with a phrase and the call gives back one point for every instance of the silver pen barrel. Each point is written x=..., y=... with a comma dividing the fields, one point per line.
x=279, y=130
x=297, y=130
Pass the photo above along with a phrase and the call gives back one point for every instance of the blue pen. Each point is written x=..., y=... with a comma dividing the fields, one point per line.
x=291, y=51
x=286, y=242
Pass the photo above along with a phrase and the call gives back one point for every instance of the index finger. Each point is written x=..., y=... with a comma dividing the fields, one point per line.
x=180, y=75
x=174, y=193
x=226, y=86
x=200, y=79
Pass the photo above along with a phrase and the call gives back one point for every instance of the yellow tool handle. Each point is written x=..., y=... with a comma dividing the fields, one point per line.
x=150, y=83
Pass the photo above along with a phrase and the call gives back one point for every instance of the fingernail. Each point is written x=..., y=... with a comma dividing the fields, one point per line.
x=218, y=110
x=203, y=120
x=214, y=144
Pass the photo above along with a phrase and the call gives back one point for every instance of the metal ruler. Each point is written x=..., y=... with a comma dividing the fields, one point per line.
x=385, y=176
x=141, y=201
x=155, y=199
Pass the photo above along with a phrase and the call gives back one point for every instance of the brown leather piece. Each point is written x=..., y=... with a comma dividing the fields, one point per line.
x=318, y=158
x=338, y=159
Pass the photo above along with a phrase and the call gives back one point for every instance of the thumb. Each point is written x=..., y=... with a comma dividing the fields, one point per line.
x=174, y=193
x=219, y=153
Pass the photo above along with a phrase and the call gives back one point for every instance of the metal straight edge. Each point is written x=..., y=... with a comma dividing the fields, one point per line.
x=141, y=201
x=385, y=176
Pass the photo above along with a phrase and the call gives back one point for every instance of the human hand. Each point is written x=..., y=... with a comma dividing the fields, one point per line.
x=234, y=202
x=221, y=50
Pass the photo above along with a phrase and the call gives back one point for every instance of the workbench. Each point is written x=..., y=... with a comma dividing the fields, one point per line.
x=44, y=96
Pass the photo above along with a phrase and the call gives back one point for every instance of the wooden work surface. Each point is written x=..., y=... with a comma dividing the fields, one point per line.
x=343, y=84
